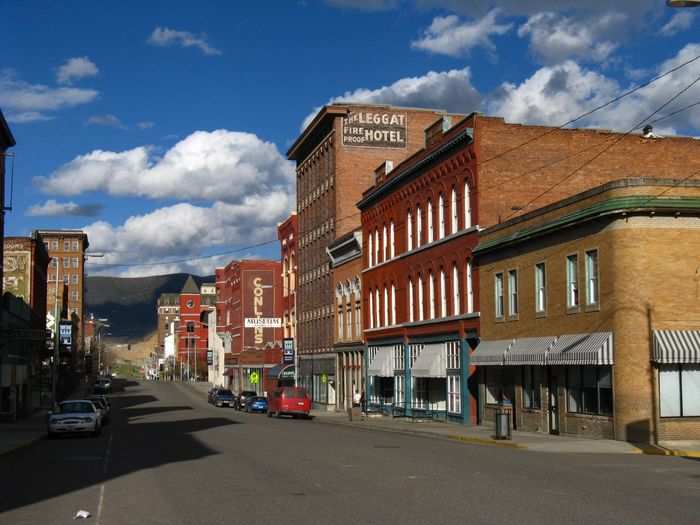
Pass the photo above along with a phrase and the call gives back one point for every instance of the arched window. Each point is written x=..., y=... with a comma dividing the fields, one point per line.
x=409, y=231
x=467, y=207
x=421, y=305
x=385, y=241
x=470, y=290
x=379, y=311
x=393, y=304
x=376, y=246
x=392, y=241
x=371, y=310
x=370, y=250
x=386, y=307
x=292, y=274
x=430, y=221
x=453, y=207
x=443, y=294
x=285, y=276
x=455, y=290
x=431, y=294
x=419, y=227
x=410, y=300
x=441, y=217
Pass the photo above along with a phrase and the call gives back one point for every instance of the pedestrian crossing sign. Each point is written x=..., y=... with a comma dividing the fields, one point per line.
x=254, y=378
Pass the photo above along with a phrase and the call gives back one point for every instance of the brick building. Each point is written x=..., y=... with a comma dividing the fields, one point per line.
x=168, y=306
x=287, y=233
x=578, y=330
x=335, y=157
x=249, y=289
x=25, y=374
x=192, y=330
x=347, y=384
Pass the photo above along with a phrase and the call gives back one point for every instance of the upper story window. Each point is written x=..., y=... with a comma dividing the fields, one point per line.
x=455, y=290
x=376, y=246
x=453, y=209
x=410, y=301
x=378, y=309
x=385, y=243
x=74, y=262
x=592, y=278
x=513, y=293
x=430, y=221
x=370, y=250
x=66, y=262
x=441, y=216
x=392, y=241
x=74, y=278
x=76, y=246
x=54, y=244
x=540, y=288
x=498, y=292
x=409, y=231
x=572, y=281
x=421, y=305
x=386, y=307
x=371, y=309
x=431, y=295
x=467, y=207
x=443, y=294
x=393, y=304
x=470, y=289
x=419, y=227
x=66, y=245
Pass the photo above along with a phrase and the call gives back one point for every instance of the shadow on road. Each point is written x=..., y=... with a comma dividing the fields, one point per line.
x=50, y=469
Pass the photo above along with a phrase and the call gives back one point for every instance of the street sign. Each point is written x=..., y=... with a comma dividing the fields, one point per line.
x=254, y=378
x=65, y=334
x=210, y=357
x=324, y=378
x=288, y=351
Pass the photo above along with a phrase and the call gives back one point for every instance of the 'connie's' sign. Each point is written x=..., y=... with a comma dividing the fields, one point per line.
x=377, y=130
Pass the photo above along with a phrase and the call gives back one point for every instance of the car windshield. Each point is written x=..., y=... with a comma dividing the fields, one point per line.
x=248, y=394
x=76, y=407
x=225, y=393
x=258, y=399
x=98, y=401
x=294, y=392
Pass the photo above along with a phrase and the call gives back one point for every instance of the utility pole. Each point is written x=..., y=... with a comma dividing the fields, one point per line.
x=54, y=371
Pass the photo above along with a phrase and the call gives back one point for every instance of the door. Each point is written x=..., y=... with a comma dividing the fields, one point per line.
x=553, y=403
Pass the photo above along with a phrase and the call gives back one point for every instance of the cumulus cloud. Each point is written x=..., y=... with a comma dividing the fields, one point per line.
x=447, y=35
x=25, y=102
x=680, y=21
x=449, y=90
x=555, y=38
x=106, y=120
x=218, y=165
x=164, y=36
x=76, y=68
x=52, y=208
x=147, y=124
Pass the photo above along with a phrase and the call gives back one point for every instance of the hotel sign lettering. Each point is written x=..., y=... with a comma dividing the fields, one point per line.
x=376, y=130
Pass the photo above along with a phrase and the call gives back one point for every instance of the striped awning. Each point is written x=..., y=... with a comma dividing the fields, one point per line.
x=432, y=361
x=381, y=364
x=676, y=346
x=529, y=351
x=582, y=349
x=490, y=353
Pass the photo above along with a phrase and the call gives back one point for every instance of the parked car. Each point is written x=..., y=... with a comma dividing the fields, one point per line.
x=239, y=402
x=223, y=397
x=256, y=404
x=210, y=394
x=289, y=400
x=103, y=406
x=75, y=416
x=102, y=386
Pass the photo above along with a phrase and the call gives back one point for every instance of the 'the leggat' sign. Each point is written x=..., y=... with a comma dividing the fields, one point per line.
x=375, y=129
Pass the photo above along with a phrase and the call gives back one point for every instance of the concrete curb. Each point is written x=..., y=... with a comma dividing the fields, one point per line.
x=658, y=450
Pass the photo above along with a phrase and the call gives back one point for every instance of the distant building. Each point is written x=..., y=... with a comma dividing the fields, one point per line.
x=192, y=331
x=168, y=306
x=215, y=352
x=287, y=233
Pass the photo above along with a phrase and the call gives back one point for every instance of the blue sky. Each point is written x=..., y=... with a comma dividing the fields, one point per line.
x=161, y=127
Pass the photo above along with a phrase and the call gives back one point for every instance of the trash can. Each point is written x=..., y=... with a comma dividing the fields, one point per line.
x=503, y=413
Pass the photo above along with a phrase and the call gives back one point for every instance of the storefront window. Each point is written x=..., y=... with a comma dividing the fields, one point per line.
x=399, y=389
x=531, y=387
x=679, y=390
x=590, y=390
x=493, y=379
x=420, y=392
x=454, y=397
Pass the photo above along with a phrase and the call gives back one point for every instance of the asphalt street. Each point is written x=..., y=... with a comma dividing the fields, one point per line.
x=170, y=458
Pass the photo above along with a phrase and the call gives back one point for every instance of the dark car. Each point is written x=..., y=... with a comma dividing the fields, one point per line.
x=256, y=404
x=102, y=386
x=212, y=392
x=223, y=398
x=242, y=398
x=104, y=406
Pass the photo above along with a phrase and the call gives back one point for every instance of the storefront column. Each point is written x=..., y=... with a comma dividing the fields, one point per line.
x=407, y=386
x=464, y=382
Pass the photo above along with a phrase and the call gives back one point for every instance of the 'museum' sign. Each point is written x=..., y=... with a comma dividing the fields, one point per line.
x=377, y=130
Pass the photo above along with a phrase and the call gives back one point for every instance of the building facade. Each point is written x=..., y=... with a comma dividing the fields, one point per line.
x=580, y=333
x=287, y=234
x=192, y=331
x=347, y=383
x=250, y=290
x=335, y=156
x=168, y=306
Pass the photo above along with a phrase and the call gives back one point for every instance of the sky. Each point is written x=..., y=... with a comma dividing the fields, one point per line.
x=161, y=128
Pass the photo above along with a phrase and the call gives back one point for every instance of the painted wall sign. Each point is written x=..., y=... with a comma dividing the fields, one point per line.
x=16, y=274
x=376, y=130
x=258, y=308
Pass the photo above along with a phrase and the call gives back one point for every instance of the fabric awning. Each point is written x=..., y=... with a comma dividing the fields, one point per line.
x=529, y=351
x=431, y=362
x=490, y=353
x=382, y=364
x=676, y=346
x=582, y=349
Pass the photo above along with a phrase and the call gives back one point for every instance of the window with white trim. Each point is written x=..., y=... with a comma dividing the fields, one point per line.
x=415, y=352
x=540, y=288
x=589, y=390
x=431, y=294
x=410, y=300
x=348, y=321
x=572, y=281
x=66, y=246
x=392, y=241
x=341, y=323
x=430, y=221
x=370, y=251
x=531, y=387
x=512, y=293
x=452, y=355
x=386, y=307
x=371, y=309
x=467, y=207
x=443, y=294
x=74, y=278
x=398, y=355
x=470, y=290
x=409, y=231
x=453, y=208
x=76, y=246
x=385, y=244
x=358, y=318
x=419, y=227
x=393, y=304
x=592, y=278
x=679, y=390
x=455, y=290
x=454, y=395
x=376, y=246
x=421, y=305
x=399, y=390
x=379, y=308
x=498, y=293
x=441, y=216
x=420, y=392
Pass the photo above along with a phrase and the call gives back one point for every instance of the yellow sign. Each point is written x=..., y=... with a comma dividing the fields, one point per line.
x=254, y=378
x=324, y=378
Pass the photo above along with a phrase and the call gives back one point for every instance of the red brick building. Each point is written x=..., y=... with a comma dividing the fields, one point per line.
x=192, y=330
x=287, y=234
x=335, y=157
x=250, y=289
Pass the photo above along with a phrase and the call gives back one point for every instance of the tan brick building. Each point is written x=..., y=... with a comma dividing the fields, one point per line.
x=590, y=320
x=336, y=155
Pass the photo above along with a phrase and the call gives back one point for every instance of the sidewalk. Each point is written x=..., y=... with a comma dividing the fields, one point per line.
x=531, y=441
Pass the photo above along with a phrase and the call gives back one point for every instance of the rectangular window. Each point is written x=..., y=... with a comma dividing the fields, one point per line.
x=75, y=246
x=420, y=392
x=66, y=279
x=493, y=379
x=512, y=293
x=409, y=231
x=66, y=246
x=453, y=355
x=430, y=221
x=589, y=390
x=399, y=391
x=443, y=295
x=531, y=387
x=410, y=301
x=572, y=281
x=540, y=288
x=340, y=322
x=348, y=321
x=54, y=245
x=369, y=251
x=74, y=278
x=66, y=262
x=54, y=263
x=454, y=396
x=455, y=290
x=679, y=390
x=398, y=357
x=358, y=323
x=419, y=226
x=498, y=289
x=453, y=208
x=470, y=290
x=592, y=277
x=74, y=262
x=393, y=304
x=74, y=295
x=392, y=241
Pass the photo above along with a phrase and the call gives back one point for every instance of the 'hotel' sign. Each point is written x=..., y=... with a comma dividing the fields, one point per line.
x=376, y=130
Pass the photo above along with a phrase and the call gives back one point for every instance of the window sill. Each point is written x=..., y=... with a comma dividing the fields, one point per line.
x=515, y=317
x=532, y=410
x=579, y=415
x=540, y=315
x=500, y=319
x=573, y=309
x=592, y=308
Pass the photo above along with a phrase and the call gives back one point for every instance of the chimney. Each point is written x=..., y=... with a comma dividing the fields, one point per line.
x=382, y=171
x=437, y=129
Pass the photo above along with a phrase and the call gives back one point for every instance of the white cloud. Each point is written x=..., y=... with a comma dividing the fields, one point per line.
x=185, y=231
x=147, y=124
x=76, y=68
x=163, y=36
x=555, y=38
x=106, y=120
x=680, y=21
x=25, y=102
x=52, y=208
x=448, y=36
x=218, y=165
x=449, y=90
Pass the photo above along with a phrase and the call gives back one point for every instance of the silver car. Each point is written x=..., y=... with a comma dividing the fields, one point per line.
x=75, y=416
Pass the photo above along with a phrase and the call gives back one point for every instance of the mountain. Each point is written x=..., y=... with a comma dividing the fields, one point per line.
x=130, y=303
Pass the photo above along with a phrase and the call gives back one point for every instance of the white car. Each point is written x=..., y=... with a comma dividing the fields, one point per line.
x=78, y=415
